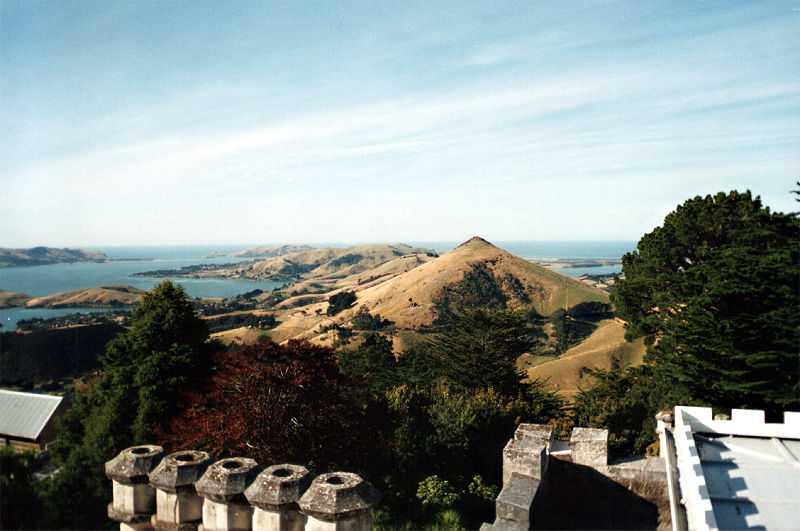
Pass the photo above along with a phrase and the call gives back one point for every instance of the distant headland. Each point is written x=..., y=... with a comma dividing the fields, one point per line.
x=46, y=256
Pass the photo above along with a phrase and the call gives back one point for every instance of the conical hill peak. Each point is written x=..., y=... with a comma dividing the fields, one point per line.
x=477, y=241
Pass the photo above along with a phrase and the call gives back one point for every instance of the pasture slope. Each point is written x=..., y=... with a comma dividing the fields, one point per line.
x=605, y=348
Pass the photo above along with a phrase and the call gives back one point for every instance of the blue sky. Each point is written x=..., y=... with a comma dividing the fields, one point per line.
x=274, y=122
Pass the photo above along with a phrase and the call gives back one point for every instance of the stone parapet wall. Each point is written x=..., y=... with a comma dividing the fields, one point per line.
x=188, y=490
x=574, y=484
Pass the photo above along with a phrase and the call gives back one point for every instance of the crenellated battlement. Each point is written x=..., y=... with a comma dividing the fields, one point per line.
x=540, y=474
x=692, y=484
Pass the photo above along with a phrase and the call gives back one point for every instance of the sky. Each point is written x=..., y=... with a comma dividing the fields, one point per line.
x=144, y=123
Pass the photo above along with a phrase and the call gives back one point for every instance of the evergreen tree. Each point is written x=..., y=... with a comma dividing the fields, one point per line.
x=715, y=291
x=479, y=347
x=374, y=360
x=625, y=402
x=146, y=369
x=18, y=498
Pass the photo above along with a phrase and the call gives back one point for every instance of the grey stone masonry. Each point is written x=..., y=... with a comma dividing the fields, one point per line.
x=553, y=484
x=639, y=468
x=223, y=485
x=339, y=501
x=274, y=495
x=589, y=446
x=227, y=479
x=514, y=505
x=527, y=454
x=524, y=458
x=187, y=491
x=541, y=433
x=133, y=498
x=178, y=505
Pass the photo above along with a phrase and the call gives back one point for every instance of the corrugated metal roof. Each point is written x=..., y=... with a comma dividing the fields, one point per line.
x=752, y=481
x=25, y=414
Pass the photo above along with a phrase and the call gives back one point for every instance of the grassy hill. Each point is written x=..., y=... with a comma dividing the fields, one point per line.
x=406, y=289
x=606, y=348
x=9, y=299
x=240, y=336
x=325, y=266
x=408, y=298
x=266, y=251
x=47, y=255
x=98, y=297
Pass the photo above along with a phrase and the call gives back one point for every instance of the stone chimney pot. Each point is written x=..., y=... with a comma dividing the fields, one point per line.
x=339, y=495
x=133, y=464
x=226, y=480
x=278, y=485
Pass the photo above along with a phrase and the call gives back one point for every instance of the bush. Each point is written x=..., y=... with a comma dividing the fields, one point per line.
x=591, y=311
x=366, y=321
x=227, y=322
x=340, y=301
x=436, y=492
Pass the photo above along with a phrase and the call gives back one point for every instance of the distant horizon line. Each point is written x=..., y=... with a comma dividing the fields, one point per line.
x=311, y=244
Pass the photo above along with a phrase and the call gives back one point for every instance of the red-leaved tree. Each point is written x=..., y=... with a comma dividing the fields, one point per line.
x=279, y=404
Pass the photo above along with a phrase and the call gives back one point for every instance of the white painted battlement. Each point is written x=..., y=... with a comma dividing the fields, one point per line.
x=744, y=422
x=735, y=473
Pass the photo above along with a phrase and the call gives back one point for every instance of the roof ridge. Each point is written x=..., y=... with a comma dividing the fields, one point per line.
x=23, y=393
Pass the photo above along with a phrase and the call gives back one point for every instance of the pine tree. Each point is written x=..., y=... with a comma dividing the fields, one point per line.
x=479, y=347
x=715, y=292
x=146, y=370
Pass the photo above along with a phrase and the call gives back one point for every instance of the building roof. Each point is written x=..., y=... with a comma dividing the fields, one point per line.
x=752, y=481
x=25, y=415
x=739, y=473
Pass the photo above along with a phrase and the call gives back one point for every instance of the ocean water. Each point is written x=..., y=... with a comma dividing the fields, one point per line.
x=39, y=281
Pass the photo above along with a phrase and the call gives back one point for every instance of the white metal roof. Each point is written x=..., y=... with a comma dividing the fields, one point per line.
x=753, y=482
x=25, y=414
x=739, y=473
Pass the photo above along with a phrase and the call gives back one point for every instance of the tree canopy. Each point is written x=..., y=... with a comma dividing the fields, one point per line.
x=145, y=370
x=479, y=347
x=340, y=301
x=277, y=403
x=715, y=291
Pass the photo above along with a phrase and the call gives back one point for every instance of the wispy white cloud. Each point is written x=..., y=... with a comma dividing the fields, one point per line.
x=496, y=128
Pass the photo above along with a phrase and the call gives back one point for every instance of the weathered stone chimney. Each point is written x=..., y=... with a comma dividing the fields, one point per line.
x=134, y=498
x=187, y=491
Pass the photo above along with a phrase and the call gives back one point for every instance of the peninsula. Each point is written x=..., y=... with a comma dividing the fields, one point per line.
x=46, y=256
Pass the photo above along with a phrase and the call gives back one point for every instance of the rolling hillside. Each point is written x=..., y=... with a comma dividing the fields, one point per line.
x=106, y=296
x=268, y=251
x=404, y=285
x=323, y=265
x=47, y=255
x=9, y=299
x=408, y=298
x=606, y=348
